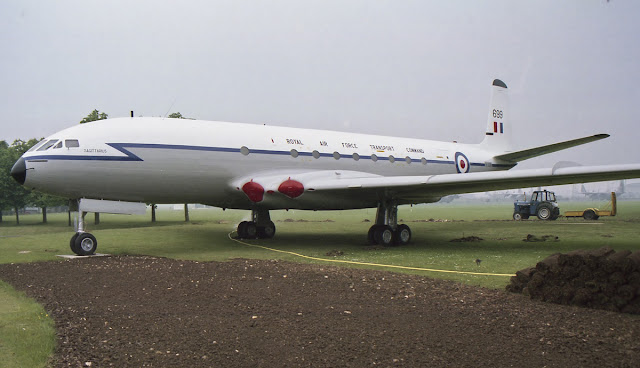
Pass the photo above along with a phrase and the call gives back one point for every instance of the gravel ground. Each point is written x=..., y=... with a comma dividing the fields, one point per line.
x=156, y=312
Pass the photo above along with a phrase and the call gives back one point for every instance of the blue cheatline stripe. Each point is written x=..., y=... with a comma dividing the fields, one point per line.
x=269, y=152
x=130, y=156
x=82, y=158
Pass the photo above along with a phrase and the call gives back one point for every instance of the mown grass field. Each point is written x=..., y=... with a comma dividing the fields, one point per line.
x=314, y=234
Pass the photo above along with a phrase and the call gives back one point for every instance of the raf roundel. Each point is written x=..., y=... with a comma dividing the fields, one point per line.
x=462, y=163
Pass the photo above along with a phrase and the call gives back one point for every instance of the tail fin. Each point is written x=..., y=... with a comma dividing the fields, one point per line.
x=498, y=135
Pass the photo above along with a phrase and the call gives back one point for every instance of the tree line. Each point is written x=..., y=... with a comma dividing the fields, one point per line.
x=14, y=196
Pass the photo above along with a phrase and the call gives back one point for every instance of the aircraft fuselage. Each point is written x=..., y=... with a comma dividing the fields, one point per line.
x=155, y=160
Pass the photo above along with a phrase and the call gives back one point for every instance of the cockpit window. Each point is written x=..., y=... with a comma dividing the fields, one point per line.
x=37, y=145
x=71, y=143
x=48, y=145
x=59, y=145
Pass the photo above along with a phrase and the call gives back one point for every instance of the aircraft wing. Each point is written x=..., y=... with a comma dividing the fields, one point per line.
x=424, y=189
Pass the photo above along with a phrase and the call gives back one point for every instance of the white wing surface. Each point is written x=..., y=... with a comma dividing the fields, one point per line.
x=424, y=189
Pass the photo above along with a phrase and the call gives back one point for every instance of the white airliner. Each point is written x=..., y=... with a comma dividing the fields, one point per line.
x=118, y=165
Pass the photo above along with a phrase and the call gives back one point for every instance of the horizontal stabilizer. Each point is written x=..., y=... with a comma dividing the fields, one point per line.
x=543, y=150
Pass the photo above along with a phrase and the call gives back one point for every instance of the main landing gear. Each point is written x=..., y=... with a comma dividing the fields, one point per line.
x=83, y=243
x=260, y=226
x=386, y=230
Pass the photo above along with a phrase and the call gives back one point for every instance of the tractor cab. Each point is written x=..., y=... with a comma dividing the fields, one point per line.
x=542, y=204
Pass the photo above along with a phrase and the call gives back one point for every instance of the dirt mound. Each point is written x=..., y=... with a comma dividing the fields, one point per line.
x=534, y=238
x=599, y=279
x=465, y=239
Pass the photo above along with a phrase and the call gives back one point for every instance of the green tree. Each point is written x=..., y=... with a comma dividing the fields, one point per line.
x=93, y=116
x=176, y=115
x=13, y=195
x=4, y=175
x=44, y=201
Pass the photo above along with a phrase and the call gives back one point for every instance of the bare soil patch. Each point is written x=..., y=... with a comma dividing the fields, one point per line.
x=156, y=312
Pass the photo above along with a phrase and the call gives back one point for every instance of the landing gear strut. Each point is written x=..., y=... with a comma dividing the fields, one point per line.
x=83, y=243
x=260, y=226
x=386, y=230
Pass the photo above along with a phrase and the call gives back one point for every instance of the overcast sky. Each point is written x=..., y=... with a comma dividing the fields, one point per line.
x=404, y=68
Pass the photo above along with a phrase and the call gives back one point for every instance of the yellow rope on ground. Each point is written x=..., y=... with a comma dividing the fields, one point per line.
x=366, y=263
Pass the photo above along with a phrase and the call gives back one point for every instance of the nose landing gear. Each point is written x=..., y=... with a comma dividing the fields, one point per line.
x=83, y=243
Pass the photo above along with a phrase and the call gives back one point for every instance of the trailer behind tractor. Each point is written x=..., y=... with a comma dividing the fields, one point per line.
x=594, y=213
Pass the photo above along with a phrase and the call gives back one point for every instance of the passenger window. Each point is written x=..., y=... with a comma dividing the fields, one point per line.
x=71, y=143
x=48, y=145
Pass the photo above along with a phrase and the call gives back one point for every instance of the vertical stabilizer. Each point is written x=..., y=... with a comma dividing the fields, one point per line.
x=498, y=134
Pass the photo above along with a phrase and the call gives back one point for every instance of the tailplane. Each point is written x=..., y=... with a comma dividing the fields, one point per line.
x=498, y=134
x=498, y=138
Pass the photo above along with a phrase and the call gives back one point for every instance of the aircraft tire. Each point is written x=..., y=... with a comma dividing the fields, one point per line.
x=72, y=243
x=251, y=230
x=544, y=212
x=370, y=235
x=268, y=231
x=86, y=244
x=383, y=235
x=402, y=235
x=241, y=230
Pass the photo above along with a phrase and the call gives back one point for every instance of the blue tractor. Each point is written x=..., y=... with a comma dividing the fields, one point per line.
x=542, y=204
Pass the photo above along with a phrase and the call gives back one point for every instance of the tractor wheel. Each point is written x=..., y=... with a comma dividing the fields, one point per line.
x=544, y=212
x=517, y=216
x=590, y=215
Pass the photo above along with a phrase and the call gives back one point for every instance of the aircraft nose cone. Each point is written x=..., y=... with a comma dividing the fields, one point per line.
x=19, y=171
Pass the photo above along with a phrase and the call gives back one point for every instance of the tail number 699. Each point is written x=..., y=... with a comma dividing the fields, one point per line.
x=497, y=114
